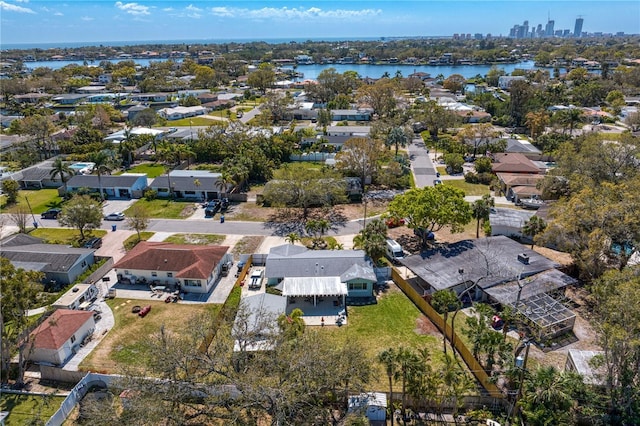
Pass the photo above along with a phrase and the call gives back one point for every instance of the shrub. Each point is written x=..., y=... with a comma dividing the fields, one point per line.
x=150, y=194
x=485, y=178
x=483, y=165
x=471, y=177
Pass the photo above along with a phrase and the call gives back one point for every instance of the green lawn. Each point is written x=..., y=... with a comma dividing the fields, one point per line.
x=126, y=343
x=197, y=121
x=64, y=236
x=468, y=188
x=40, y=200
x=162, y=209
x=389, y=324
x=151, y=169
x=131, y=242
x=25, y=409
x=198, y=239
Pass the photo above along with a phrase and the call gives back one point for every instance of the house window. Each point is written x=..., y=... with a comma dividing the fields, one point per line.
x=357, y=286
x=126, y=272
x=193, y=283
x=189, y=192
x=84, y=263
x=154, y=274
x=169, y=274
x=73, y=338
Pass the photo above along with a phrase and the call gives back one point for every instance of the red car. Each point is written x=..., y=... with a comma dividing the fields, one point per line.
x=144, y=311
x=394, y=222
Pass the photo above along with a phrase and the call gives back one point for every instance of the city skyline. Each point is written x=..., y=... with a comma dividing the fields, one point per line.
x=52, y=21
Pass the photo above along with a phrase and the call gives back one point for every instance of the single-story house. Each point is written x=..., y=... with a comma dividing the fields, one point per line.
x=513, y=163
x=256, y=321
x=350, y=131
x=508, y=222
x=121, y=135
x=191, y=268
x=497, y=269
x=345, y=274
x=32, y=98
x=60, y=264
x=351, y=114
x=517, y=186
x=151, y=97
x=126, y=185
x=91, y=89
x=59, y=336
x=37, y=178
x=524, y=147
x=68, y=98
x=80, y=296
x=180, y=112
x=505, y=81
x=190, y=184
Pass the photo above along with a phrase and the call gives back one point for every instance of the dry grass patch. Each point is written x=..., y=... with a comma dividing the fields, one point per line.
x=197, y=239
x=248, y=244
x=125, y=345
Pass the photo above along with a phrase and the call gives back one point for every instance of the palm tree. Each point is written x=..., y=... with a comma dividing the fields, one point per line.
x=101, y=165
x=292, y=237
x=407, y=362
x=292, y=325
x=388, y=359
x=60, y=168
x=223, y=183
x=397, y=137
x=481, y=209
x=184, y=152
x=534, y=226
x=443, y=301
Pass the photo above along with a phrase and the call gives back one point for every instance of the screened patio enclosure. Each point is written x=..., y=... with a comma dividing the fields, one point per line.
x=314, y=289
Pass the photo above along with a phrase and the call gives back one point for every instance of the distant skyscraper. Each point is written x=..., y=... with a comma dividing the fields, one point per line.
x=548, y=29
x=577, y=30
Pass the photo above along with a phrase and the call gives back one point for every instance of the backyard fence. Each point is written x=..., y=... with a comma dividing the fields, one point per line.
x=476, y=369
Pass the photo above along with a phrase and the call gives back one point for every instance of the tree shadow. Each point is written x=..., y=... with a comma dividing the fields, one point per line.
x=292, y=220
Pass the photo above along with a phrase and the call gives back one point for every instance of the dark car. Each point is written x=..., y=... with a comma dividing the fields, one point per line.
x=50, y=214
x=93, y=243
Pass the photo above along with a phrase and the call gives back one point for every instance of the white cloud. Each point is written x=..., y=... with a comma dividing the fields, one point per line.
x=286, y=13
x=168, y=9
x=87, y=18
x=192, y=8
x=14, y=8
x=22, y=1
x=133, y=8
x=58, y=14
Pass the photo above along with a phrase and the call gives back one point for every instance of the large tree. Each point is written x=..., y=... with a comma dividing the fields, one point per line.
x=304, y=188
x=19, y=291
x=617, y=311
x=429, y=209
x=262, y=78
x=82, y=213
x=138, y=218
x=381, y=96
x=360, y=157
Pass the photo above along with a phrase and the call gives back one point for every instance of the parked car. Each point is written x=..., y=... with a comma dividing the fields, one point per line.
x=239, y=114
x=50, y=214
x=93, y=243
x=437, y=182
x=114, y=216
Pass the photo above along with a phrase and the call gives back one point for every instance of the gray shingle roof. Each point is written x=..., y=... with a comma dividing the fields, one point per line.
x=108, y=181
x=491, y=260
x=181, y=183
x=57, y=258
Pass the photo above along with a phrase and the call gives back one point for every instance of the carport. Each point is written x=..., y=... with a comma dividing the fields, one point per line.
x=314, y=287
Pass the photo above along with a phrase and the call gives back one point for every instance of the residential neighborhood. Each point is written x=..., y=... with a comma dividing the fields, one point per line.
x=202, y=242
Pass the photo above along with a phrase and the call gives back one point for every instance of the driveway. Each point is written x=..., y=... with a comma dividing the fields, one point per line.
x=114, y=206
x=424, y=172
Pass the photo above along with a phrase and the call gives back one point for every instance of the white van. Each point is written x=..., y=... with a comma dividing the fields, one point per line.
x=394, y=251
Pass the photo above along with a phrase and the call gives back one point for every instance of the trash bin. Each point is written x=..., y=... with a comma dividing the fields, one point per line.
x=221, y=218
x=114, y=227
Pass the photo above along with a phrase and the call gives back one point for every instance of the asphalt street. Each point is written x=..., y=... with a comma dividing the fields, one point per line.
x=424, y=172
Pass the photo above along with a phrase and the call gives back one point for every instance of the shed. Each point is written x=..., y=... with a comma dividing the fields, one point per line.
x=372, y=404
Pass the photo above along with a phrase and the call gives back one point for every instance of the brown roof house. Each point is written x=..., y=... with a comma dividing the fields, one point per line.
x=194, y=269
x=514, y=163
x=59, y=336
x=519, y=186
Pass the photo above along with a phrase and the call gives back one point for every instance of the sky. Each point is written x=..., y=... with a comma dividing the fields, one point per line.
x=53, y=21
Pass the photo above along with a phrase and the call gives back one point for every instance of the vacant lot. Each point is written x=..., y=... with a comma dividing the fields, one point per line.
x=124, y=346
x=468, y=188
x=151, y=169
x=165, y=209
x=198, y=239
x=65, y=236
x=40, y=200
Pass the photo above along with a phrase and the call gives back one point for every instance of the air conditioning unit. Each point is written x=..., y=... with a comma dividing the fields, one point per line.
x=524, y=258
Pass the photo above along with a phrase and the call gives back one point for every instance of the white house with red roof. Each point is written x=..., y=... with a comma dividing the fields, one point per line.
x=195, y=269
x=57, y=338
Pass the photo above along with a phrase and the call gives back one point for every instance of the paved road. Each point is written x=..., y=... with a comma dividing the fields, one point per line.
x=424, y=172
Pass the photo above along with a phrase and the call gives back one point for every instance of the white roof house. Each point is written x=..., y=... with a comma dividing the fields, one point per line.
x=120, y=135
x=180, y=112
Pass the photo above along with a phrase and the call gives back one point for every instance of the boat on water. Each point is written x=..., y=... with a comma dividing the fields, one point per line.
x=532, y=203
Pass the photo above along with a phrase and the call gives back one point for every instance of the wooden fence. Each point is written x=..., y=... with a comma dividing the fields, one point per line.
x=438, y=321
